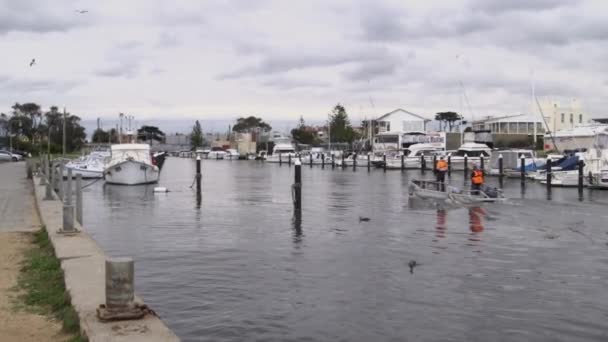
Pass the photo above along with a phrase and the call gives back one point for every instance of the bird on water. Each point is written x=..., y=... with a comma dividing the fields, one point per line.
x=33, y=62
x=364, y=219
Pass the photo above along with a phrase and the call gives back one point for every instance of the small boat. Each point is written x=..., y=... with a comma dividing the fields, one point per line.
x=131, y=164
x=88, y=167
x=473, y=152
x=216, y=153
x=282, y=152
x=564, y=179
x=426, y=189
x=413, y=156
x=231, y=154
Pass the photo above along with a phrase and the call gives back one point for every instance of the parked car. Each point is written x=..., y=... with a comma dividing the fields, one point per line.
x=7, y=156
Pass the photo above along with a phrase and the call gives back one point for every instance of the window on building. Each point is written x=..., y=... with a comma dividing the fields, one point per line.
x=563, y=117
x=571, y=118
x=580, y=118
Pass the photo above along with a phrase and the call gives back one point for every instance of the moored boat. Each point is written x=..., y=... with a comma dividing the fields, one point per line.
x=131, y=164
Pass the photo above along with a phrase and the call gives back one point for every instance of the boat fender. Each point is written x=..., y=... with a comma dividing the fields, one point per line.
x=161, y=189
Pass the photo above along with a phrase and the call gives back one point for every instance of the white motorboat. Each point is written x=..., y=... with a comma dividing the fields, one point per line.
x=473, y=152
x=564, y=179
x=90, y=166
x=596, y=161
x=216, y=153
x=231, y=154
x=282, y=152
x=131, y=164
x=413, y=156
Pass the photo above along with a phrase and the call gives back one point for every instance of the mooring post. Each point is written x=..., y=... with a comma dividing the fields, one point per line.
x=369, y=162
x=280, y=159
x=481, y=162
x=44, y=171
x=333, y=161
x=466, y=167
x=355, y=162
x=522, y=171
x=581, y=165
x=343, y=164
x=60, y=179
x=449, y=164
x=198, y=174
x=384, y=162
x=297, y=186
x=434, y=163
x=422, y=164
x=56, y=179
x=500, y=170
x=48, y=195
x=68, y=219
x=549, y=174
x=402, y=162
x=79, y=198
x=323, y=160
x=310, y=161
x=68, y=188
x=289, y=159
x=120, y=291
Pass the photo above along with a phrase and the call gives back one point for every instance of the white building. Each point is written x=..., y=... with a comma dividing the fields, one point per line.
x=562, y=114
x=511, y=124
x=401, y=120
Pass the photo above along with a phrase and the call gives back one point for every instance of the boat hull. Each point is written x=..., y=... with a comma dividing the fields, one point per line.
x=84, y=173
x=131, y=173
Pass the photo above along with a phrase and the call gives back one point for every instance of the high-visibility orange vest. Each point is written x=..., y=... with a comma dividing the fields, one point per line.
x=442, y=165
x=477, y=177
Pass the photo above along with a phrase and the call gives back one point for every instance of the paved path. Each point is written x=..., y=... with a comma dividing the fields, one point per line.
x=17, y=210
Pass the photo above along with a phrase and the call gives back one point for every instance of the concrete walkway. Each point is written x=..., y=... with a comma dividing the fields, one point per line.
x=17, y=210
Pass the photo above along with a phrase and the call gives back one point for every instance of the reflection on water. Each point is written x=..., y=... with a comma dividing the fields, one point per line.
x=237, y=264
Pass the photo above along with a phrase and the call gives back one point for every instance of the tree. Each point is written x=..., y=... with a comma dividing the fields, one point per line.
x=146, y=133
x=53, y=128
x=340, y=128
x=250, y=124
x=100, y=136
x=303, y=134
x=196, y=137
x=448, y=118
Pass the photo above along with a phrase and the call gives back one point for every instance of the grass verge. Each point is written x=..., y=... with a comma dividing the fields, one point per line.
x=43, y=287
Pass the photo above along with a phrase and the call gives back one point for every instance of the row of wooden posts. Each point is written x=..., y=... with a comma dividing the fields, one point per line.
x=51, y=175
x=297, y=186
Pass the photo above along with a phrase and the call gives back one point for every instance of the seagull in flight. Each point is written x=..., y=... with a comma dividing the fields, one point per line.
x=82, y=11
x=33, y=62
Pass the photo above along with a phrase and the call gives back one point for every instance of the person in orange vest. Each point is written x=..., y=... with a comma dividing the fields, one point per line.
x=476, y=180
x=440, y=169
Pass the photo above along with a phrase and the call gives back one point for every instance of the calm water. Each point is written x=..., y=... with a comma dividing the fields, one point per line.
x=241, y=268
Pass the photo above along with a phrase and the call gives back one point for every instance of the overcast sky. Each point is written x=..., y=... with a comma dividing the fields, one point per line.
x=282, y=59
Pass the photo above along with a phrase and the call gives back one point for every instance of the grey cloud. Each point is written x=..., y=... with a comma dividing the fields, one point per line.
x=368, y=70
x=167, y=40
x=126, y=69
x=382, y=23
x=500, y=6
x=273, y=63
x=13, y=85
x=289, y=84
x=37, y=16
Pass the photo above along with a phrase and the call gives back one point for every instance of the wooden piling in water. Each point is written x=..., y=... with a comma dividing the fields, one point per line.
x=522, y=171
x=449, y=164
x=581, y=165
x=384, y=162
x=402, y=162
x=369, y=162
x=549, y=174
x=297, y=186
